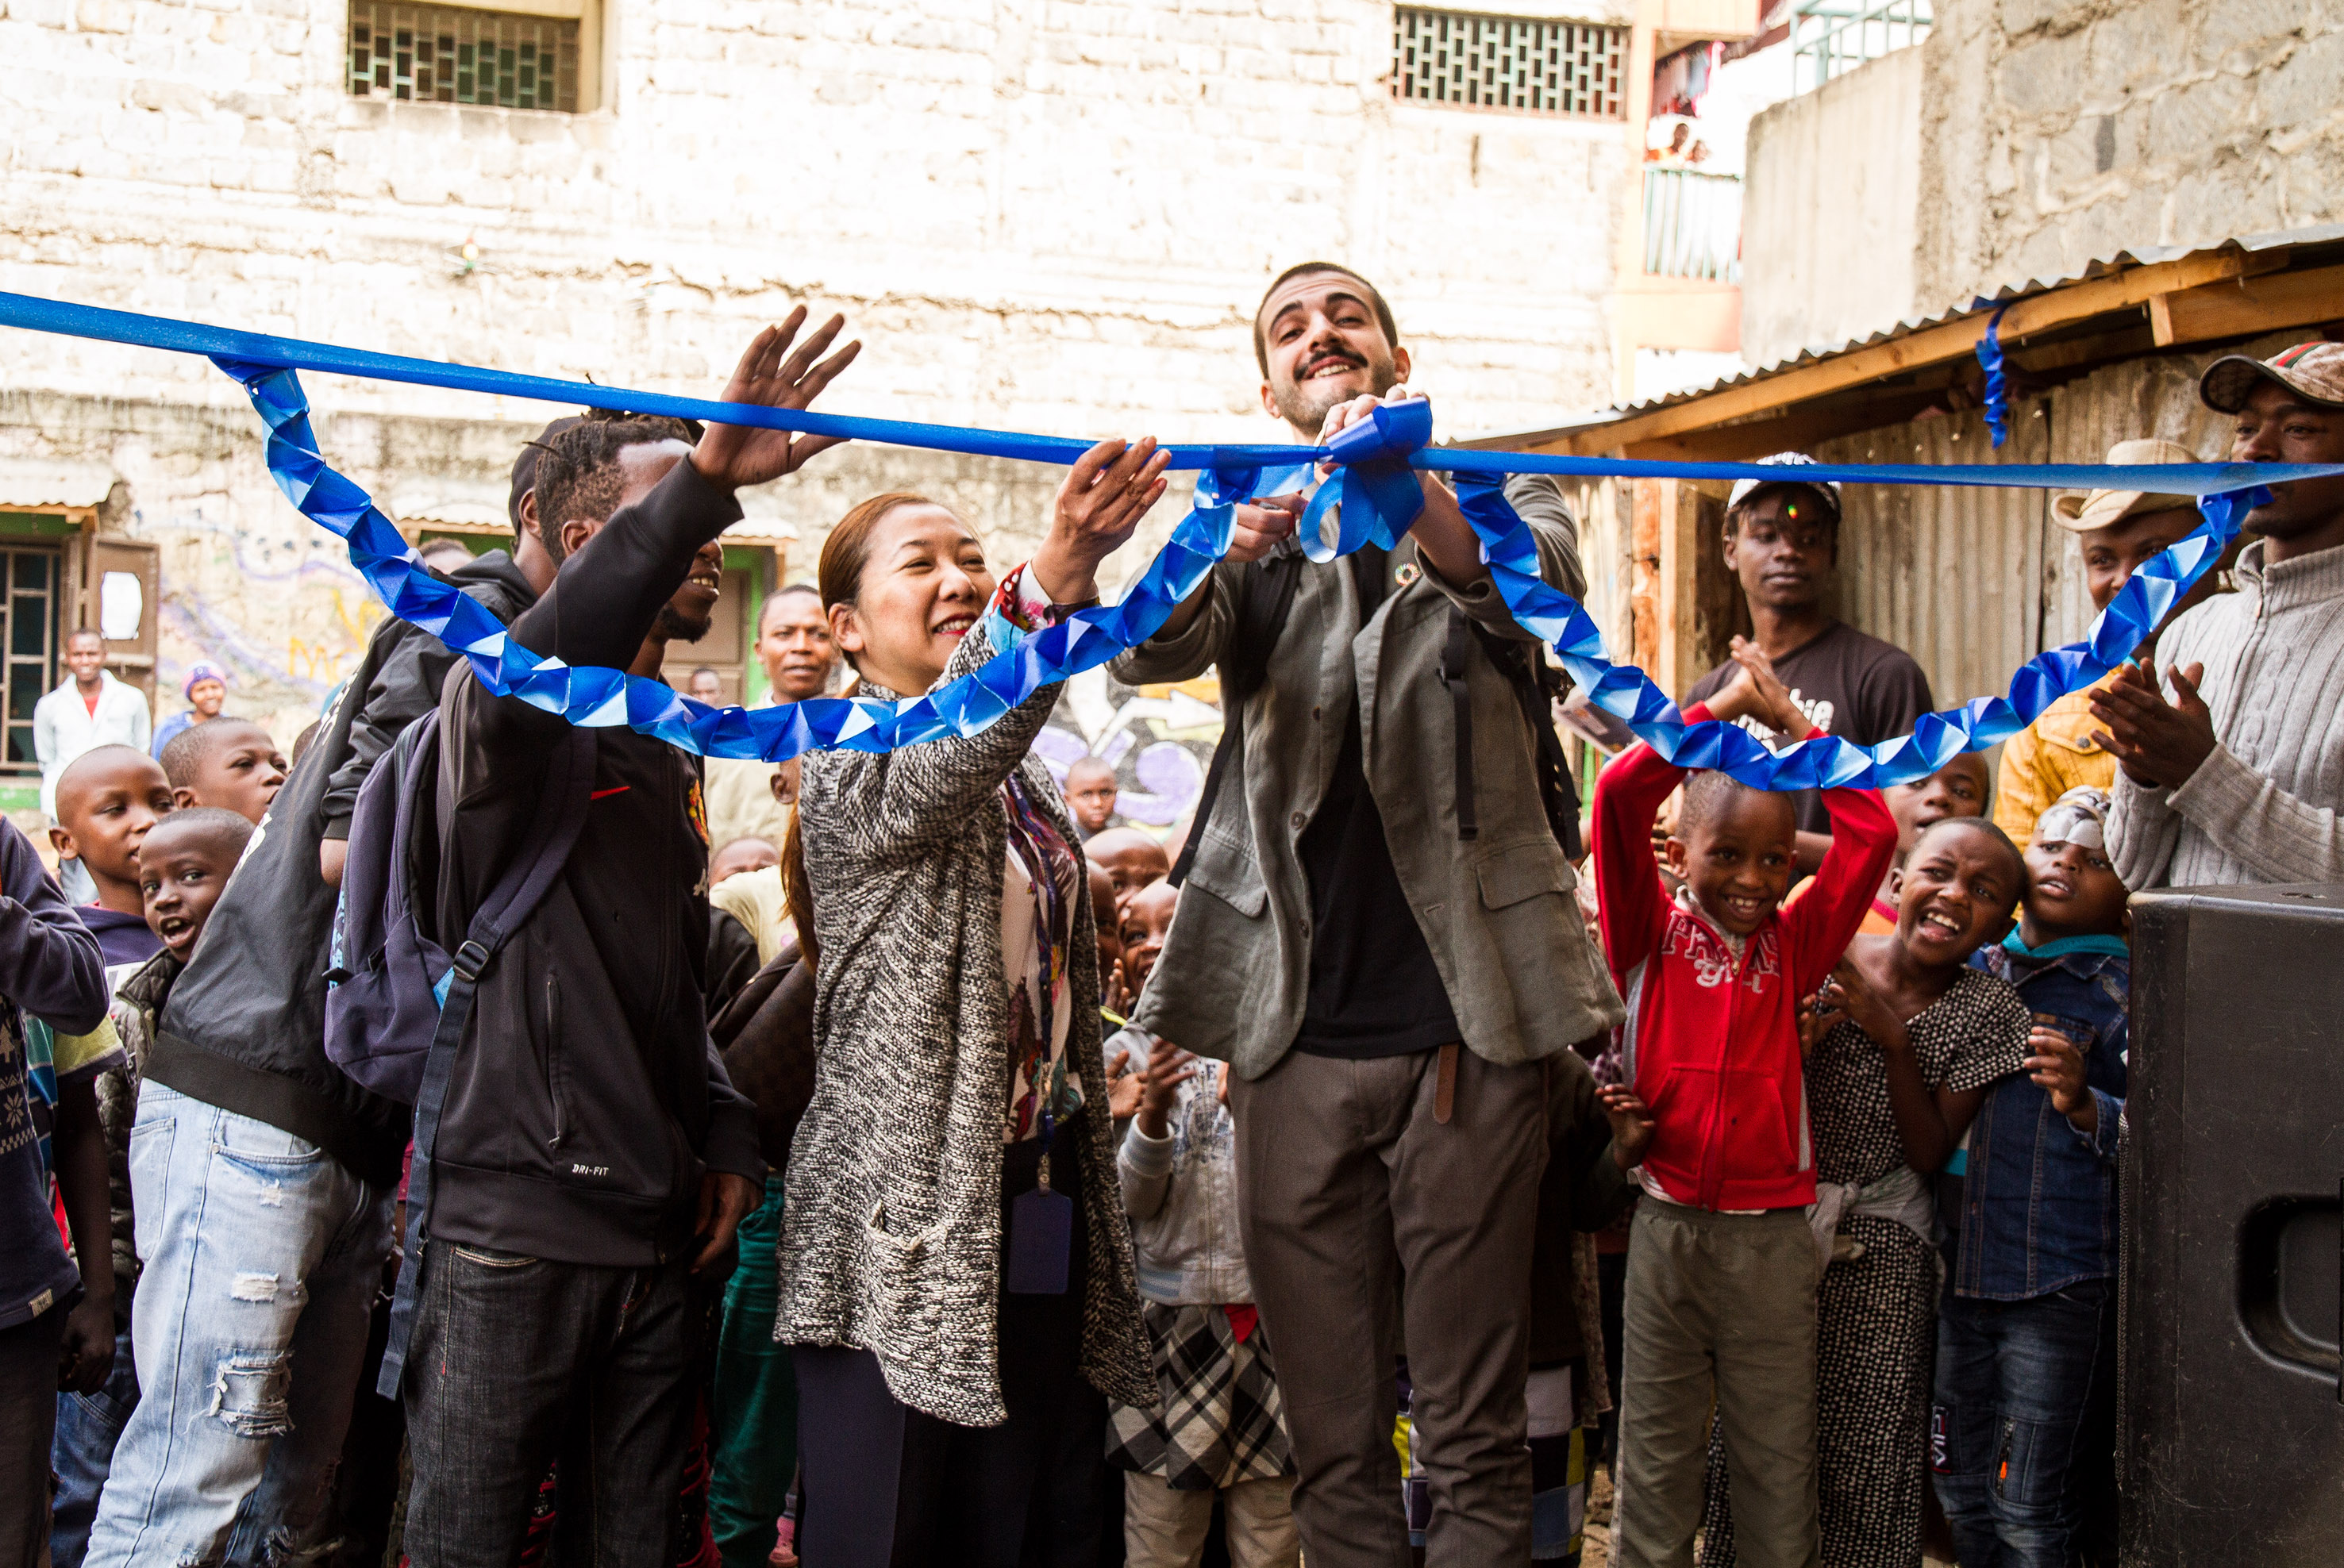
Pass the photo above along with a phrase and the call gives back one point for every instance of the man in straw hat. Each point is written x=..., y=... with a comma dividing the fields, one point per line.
x=2232, y=769
x=2115, y=531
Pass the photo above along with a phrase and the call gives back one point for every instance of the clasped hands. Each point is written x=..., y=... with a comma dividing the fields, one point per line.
x=2158, y=743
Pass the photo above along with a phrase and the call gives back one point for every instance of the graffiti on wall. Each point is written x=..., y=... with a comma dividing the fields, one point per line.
x=287, y=619
x=1157, y=739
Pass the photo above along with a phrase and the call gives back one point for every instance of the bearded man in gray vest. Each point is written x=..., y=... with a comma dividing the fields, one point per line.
x=1393, y=988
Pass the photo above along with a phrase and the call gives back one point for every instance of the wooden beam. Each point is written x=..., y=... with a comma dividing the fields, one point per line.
x=2252, y=304
x=2126, y=290
x=1758, y=438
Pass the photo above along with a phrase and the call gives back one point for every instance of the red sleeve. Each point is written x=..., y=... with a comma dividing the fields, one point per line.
x=1632, y=904
x=1824, y=919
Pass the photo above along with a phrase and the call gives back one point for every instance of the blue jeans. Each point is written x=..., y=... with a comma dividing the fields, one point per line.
x=2026, y=1425
x=262, y=1254
x=88, y=1426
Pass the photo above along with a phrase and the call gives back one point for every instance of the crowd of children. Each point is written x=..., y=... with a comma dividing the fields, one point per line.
x=1866, y=1106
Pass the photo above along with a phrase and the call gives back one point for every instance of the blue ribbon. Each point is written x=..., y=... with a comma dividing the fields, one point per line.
x=1373, y=492
x=1997, y=389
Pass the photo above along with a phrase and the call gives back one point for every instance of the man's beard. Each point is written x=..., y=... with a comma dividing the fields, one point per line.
x=676, y=626
x=1306, y=405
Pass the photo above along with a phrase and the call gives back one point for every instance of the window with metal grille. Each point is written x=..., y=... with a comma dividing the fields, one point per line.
x=1525, y=63
x=453, y=55
x=34, y=576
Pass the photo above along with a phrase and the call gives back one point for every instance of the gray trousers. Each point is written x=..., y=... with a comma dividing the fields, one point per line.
x=1721, y=1310
x=1363, y=1213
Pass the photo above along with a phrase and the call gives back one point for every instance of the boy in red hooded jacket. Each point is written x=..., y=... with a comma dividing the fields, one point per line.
x=1722, y=1266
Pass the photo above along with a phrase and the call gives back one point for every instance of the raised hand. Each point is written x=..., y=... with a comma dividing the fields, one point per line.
x=1848, y=994
x=1100, y=503
x=1168, y=1068
x=1775, y=705
x=1123, y=1087
x=2057, y=1063
x=1757, y=691
x=775, y=375
x=1631, y=1124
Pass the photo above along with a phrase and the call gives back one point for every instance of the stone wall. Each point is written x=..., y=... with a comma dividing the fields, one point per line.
x=1052, y=218
x=2056, y=131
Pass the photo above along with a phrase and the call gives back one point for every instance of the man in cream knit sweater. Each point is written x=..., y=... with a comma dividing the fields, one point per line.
x=2237, y=775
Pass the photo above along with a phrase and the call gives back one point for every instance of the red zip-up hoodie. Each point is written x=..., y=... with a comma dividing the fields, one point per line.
x=1712, y=1042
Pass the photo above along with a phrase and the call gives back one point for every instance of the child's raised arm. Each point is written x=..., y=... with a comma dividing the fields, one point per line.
x=1632, y=904
x=1823, y=919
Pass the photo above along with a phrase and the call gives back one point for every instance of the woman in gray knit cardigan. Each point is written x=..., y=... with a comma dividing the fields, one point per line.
x=954, y=1262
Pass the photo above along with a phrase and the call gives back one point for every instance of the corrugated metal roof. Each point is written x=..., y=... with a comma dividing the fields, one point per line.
x=479, y=512
x=55, y=482
x=2098, y=266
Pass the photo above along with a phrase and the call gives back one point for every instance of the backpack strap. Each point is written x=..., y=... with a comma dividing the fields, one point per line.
x=545, y=849
x=1454, y=654
x=1536, y=686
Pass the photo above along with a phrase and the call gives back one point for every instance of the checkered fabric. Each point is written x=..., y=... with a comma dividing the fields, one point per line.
x=1222, y=1420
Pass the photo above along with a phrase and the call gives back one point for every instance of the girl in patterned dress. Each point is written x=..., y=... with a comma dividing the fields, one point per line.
x=1905, y=1039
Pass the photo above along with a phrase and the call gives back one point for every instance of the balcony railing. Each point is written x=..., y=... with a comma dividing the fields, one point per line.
x=1830, y=36
x=1692, y=224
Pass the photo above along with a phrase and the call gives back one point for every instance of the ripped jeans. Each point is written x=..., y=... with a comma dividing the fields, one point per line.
x=262, y=1256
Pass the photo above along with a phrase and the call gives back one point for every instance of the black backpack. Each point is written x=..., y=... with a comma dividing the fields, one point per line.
x=397, y=1011
x=1265, y=598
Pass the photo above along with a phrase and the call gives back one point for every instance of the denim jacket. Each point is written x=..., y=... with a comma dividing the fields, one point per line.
x=2038, y=1210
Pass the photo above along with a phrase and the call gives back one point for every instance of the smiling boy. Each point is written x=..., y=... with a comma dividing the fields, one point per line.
x=1722, y=1271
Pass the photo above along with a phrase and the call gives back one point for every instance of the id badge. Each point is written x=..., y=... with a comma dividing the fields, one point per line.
x=1041, y=1238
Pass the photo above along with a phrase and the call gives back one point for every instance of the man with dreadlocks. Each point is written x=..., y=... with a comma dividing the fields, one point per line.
x=291, y=1165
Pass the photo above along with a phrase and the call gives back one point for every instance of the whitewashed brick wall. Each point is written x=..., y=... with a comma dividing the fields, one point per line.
x=1043, y=215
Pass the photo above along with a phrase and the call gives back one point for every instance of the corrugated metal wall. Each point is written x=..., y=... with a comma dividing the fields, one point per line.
x=1975, y=582
x=1953, y=577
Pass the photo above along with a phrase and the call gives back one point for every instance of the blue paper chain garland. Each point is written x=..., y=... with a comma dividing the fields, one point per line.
x=1373, y=496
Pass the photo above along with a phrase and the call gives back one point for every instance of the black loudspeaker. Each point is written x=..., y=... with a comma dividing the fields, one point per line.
x=2230, y=1389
